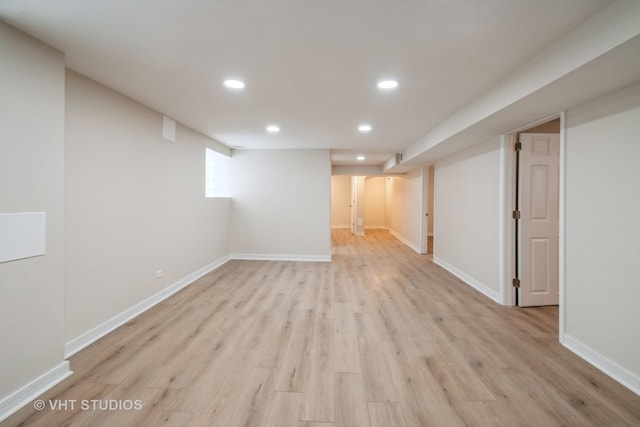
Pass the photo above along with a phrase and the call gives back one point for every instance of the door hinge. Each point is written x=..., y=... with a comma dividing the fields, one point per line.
x=518, y=146
x=515, y=282
x=515, y=214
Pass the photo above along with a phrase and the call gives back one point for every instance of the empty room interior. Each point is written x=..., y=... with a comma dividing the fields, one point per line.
x=285, y=213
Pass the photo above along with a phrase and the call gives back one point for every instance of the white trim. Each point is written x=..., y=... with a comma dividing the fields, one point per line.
x=503, y=221
x=606, y=365
x=340, y=226
x=424, y=208
x=103, y=329
x=510, y=205
x=561, y=227
x=17, y=400
x=281, y=257
x=405, y=241
x=534, y=124
x=474, y=283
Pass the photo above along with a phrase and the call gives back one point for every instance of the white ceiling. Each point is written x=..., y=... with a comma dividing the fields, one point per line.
x=310, y=67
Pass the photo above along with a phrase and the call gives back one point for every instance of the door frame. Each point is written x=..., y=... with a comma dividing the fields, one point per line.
x=424, y=208
x=507, y=202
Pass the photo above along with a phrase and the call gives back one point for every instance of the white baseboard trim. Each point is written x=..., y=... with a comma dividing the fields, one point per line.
x=405, y=241
x=281, y=257
x=103, y=329
x=606, y=365
x=474, y=283
x=17, y=400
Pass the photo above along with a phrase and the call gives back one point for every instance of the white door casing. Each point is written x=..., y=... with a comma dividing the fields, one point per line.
x=539, y=235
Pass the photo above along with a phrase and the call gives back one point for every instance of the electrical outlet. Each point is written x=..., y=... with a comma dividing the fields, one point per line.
x=159, y=274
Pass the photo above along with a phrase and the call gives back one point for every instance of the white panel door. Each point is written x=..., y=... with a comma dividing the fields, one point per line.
x=353, y=205
x=539, y=186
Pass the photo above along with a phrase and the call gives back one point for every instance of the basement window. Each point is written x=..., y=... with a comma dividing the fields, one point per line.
x=216, y=174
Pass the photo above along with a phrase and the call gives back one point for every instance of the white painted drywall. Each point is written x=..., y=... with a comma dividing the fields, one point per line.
x=357, y=170
x=281, y=204
x=32, y=179
x=466, y=214
x=602, y=246
x=613, y=26
x=374, y=202
x=404, y=207
x=135, y=204
x=340, y=201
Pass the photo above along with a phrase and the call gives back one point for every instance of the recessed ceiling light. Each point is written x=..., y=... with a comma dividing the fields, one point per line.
x=387, y=84
x=234, y=84
x=273, y=128
x=364, y=128
x=360, y=157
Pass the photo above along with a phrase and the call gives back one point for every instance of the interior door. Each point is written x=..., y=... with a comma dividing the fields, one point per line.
x=539, y=233
x=424, y=211
x=354, y=193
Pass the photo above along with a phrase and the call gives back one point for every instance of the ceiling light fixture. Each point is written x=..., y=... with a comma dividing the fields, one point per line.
x=360, y=157
x=364, y=128
x=234, y=84
x=273, y=128
x=387, y=84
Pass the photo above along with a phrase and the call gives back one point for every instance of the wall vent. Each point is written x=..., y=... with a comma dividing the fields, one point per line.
x=168, y=128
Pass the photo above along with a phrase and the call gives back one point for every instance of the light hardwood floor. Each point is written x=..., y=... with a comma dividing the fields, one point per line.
x=381, y=337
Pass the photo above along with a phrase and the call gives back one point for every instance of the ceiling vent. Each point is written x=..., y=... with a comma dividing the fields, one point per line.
x=393, y=162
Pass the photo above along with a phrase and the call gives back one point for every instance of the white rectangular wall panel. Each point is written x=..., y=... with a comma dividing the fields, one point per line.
x=22, y=235
x=168, y=128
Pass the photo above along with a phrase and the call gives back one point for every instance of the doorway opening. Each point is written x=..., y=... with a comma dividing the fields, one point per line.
x=430, y=208
x=426, y=209
x=359, y=203
x=535, y=181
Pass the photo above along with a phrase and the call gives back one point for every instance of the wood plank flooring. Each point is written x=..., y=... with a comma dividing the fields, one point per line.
x=379, y=337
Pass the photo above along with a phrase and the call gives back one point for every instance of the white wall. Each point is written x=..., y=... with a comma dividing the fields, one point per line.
x=340, y=201
x=357, y=170
x=466, y=216
x=135, y=204
x=557, y=74
x=31, y=179
x=404, y=207
x=602, y=252
x=281, y=204
x=374, y=202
